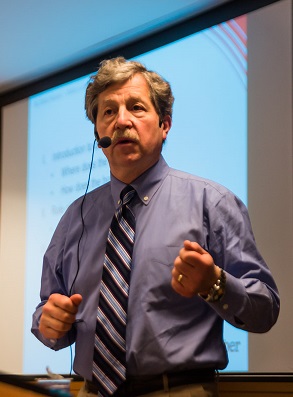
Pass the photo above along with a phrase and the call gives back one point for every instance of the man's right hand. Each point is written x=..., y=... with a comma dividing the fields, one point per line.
x=58, y=315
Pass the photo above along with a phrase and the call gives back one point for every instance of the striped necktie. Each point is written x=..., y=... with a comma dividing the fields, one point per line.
x=109, y=368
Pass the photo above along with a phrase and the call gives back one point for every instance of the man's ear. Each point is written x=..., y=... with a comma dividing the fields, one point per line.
x=165, y=124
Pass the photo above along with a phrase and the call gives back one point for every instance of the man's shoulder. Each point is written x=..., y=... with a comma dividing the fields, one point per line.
x=98, y=194
x=100, y=191
x=195, y=181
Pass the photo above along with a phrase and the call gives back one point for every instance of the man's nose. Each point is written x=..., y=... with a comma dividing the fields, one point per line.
x=123, y=119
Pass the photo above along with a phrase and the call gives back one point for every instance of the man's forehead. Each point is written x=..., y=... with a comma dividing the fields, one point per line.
x=135, y=88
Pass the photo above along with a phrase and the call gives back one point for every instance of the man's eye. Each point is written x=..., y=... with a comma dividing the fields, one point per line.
x=108, y=112
x=137, y=107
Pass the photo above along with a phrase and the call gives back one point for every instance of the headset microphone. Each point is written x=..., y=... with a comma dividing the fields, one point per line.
x=105, y=142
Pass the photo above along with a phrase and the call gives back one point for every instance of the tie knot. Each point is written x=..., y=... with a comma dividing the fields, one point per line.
x=127, y=194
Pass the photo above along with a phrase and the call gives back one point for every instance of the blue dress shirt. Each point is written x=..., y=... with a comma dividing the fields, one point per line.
x=165, y=331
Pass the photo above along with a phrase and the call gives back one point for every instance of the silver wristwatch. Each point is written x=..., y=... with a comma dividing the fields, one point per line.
x=217, y=290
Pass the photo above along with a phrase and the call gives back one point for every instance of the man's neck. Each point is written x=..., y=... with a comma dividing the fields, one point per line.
x=129, y=174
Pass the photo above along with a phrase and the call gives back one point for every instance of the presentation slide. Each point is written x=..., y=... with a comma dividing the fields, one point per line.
x=207, y=72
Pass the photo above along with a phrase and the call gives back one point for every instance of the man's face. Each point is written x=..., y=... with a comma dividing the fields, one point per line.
x=127, y=115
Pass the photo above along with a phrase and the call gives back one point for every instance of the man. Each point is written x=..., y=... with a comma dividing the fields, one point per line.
x=194, y=262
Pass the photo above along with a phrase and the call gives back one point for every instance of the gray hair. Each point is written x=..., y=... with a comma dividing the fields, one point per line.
x=119, y=70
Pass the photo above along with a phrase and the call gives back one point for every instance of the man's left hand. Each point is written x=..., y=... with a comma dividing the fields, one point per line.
x=194, y=271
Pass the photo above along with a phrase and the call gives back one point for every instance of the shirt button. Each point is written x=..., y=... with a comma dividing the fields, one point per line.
x=146, y=198
x=225, y=306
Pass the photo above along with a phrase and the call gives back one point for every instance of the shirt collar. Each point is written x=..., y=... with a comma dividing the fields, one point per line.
x=145, y=185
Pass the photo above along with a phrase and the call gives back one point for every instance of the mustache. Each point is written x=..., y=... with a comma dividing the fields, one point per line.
x=125, y=134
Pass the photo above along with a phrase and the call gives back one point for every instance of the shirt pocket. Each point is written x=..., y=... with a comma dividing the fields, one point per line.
x=156, y=290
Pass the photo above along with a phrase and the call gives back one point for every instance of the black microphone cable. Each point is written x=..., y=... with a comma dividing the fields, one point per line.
x=104, y=143
x=81, y=217
x=78, y=246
